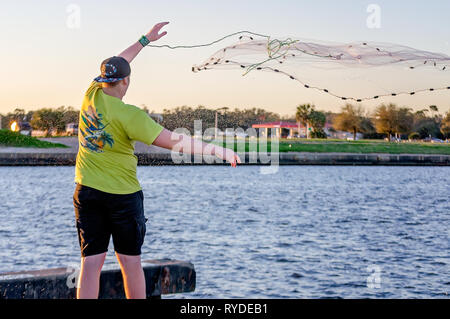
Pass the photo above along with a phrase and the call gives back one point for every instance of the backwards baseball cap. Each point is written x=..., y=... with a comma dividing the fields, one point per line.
x=113, y=69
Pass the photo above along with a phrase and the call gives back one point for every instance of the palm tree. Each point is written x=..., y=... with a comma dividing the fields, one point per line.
x=303, y=116
x=106, y=138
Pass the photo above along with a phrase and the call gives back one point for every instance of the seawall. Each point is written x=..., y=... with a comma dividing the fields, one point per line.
x=291, y=158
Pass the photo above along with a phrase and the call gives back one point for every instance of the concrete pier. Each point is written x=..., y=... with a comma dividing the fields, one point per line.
x=162, y=277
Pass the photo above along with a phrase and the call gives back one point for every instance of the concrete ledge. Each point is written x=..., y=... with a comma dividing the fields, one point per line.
x=37, y=159
x=162, y=277
x=364, y=159
x=291, y=158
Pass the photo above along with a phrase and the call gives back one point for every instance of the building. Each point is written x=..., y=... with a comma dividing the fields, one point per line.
x=342, y=135
x=282, y=129
x=286, y=129
x=72, y=129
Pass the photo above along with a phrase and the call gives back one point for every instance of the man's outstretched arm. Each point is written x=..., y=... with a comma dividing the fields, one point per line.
x=188, y=145
x=154, y=35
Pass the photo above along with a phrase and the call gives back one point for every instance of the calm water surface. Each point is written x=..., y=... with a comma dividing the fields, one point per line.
x=304, y=232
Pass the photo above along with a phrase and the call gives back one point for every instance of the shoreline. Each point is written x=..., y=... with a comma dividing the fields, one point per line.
x=156, y=156
x=43, y=158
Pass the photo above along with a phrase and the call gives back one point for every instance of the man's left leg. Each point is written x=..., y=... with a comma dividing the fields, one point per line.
x=133, y=276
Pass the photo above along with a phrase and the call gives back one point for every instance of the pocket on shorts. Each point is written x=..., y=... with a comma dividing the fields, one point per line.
x=142, y=229
x=81, y=194
x=140, y=218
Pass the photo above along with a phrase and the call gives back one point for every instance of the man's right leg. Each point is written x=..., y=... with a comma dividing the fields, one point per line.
x=128, y=232
x=89, y=280
x=94, y=232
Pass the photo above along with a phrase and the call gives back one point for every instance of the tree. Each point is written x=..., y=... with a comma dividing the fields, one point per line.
x=303, y=116
x=405, y=120
x=445, y=125
x=434, y=109
x=350, y=119
x=29, y=116
x=425, y=125
x=386, y=119
x=421, y=113
x=70, y=115
x=44, y=120
x=317, y=120
x=183, y=117
x=368, y=128
x=390, y=119
x=19, y=115
x=47, y=119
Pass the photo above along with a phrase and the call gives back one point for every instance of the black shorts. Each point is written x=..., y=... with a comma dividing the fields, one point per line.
x=99, y=215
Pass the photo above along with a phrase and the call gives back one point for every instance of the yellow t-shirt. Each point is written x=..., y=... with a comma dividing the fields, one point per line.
x=108, y=131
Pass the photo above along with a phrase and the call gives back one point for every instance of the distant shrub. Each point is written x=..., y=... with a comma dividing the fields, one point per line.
x=414, y=136
x=318, y=134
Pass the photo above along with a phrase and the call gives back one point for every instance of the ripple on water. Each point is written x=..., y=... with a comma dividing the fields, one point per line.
x=316, y=232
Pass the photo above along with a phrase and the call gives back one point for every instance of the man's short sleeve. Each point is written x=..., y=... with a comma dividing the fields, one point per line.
x=94, y=85
x=141, y=127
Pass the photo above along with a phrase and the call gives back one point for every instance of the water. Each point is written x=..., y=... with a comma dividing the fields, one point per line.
x=305, y=232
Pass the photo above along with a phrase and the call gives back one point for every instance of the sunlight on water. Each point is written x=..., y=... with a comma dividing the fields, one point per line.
x=307, y=231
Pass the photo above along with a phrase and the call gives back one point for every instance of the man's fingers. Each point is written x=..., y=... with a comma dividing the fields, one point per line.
x=160, y=25
x=236, y=160
x=161, y=35
x=157, y=27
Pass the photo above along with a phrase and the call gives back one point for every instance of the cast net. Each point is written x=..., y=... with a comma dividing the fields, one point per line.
x=356, y=71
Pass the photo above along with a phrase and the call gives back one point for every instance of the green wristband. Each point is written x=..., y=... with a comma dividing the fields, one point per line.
x=144, y=41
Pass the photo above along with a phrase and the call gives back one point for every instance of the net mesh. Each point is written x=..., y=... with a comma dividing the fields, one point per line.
x=336, y=68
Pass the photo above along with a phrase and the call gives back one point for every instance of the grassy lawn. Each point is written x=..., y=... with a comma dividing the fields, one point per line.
x=13, y=139
x=362, y=146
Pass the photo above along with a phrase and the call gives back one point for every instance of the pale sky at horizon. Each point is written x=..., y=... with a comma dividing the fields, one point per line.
x=49, y=64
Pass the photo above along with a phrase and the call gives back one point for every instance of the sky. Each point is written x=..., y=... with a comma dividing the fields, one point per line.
x=51, y=50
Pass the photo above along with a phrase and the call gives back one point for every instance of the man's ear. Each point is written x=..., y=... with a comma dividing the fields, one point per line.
x=126, y=81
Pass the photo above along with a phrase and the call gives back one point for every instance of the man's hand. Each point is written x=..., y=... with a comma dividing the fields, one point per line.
x=228, y=155
x=130, y=53
x=154, y=35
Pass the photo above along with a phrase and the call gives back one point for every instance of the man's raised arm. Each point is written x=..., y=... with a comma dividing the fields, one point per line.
x=152, y=36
